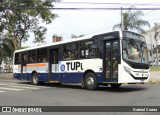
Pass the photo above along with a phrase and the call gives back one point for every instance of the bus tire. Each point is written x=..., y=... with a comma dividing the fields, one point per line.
x=90, y=81
x=115, y=86
x=34, y=79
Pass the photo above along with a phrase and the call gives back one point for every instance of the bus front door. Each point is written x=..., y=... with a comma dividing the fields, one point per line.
x=53, y=64
x=110, y=61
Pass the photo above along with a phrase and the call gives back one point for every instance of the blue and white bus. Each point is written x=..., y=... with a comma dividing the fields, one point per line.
x=112, y=58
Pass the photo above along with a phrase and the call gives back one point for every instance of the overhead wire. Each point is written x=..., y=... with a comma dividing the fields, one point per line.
x=25, y=8
x=103, y=3
x=90, y=8
x=151, y=10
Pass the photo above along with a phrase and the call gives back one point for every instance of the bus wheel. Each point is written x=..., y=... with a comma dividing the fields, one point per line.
x=115, y=86
x=90, y=81
x=34, y=79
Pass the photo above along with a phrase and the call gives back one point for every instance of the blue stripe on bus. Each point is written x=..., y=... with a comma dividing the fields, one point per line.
x=61, y=77
x=17, y=76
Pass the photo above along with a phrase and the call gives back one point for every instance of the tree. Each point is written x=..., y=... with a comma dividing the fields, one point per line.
x=20, y=17
x=6, y=50
x=132, y=21
x=39, y=34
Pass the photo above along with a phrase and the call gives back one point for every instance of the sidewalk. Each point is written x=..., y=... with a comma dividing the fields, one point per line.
x=154, y=77
x=6, y=76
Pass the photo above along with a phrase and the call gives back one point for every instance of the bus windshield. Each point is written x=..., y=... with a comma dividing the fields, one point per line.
x=135, y=51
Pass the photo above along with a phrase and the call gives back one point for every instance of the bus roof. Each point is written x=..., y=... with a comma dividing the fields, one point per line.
x=56, y=43
x=66, y=41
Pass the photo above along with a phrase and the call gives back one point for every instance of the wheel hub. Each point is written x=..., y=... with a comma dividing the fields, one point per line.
x=90, y=81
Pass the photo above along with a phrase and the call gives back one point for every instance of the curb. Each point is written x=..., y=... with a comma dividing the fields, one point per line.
x=154, y=81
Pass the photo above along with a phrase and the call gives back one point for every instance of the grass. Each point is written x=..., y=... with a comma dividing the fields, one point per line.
x=154, y=68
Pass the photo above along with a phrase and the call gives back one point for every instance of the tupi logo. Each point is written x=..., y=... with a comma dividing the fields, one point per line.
x=74, y=66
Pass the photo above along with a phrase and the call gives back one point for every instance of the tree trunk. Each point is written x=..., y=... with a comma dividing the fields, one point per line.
x=16, y=43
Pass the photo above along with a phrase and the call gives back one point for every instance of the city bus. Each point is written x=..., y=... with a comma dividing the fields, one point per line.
x=113, y=58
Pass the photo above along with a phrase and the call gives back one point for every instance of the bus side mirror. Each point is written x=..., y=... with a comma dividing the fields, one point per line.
x=125, y=54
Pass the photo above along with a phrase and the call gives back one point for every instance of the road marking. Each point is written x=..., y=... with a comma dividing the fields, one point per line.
x=18, y=86
x=2, y=91
x=2, y=84
x=24, y=87
x=13, y=89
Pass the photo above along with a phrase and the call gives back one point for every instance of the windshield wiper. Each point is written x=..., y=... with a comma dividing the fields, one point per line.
x=134, y=44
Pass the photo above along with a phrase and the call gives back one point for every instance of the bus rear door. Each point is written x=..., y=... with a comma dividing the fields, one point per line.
x=23, y=65
x=53, y=64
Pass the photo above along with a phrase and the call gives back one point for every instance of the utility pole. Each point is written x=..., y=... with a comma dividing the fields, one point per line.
x=121, y=19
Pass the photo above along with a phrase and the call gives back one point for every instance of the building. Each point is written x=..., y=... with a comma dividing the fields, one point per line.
x=152, y=43
x=5, y=67
x=56, y=38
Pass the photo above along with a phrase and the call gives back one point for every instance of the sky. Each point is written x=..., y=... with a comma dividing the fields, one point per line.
x=89, y=22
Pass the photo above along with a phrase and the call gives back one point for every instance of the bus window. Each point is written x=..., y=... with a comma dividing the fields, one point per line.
x=32, y=56
x=42, y=55
x=88, y=49
x=24, y=58
x=70, y=51
x=17, y=58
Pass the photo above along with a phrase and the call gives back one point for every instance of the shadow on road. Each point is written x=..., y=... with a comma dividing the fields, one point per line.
x=123, y=88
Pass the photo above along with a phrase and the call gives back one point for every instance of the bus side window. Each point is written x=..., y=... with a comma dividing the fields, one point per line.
x=17, y=58
x=44, y=59
x=42, y=55
x=88, y=49
x=32, y=56
x=30, y=59
x=70, y=51
x=82, y=55
x=24, y=59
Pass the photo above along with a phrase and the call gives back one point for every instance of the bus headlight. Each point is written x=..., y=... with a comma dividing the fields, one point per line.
x=137, y=74
x=128, y=70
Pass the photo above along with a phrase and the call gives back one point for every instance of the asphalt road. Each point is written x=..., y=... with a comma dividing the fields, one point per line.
x=15, y=93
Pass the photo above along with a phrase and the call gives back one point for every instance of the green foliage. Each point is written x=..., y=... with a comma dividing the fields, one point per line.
x=39, y=34
x=24, y=47
x=154, y=68
x=6, y=49
x=19, y=17
x=132, y=21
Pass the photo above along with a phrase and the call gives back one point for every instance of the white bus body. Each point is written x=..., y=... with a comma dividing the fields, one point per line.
x=110, y=58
